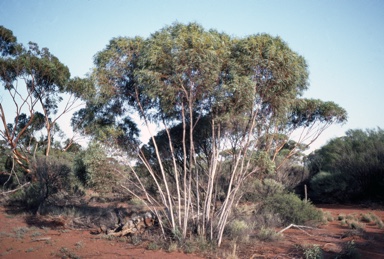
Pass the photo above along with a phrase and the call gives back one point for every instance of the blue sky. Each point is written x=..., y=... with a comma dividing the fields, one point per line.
x=342, y=41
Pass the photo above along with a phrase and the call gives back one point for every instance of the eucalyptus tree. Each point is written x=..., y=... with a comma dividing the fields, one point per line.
x=34, y=82
x=246, y=91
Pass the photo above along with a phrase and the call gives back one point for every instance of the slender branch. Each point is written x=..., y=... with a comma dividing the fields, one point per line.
x=15, y=190
x=300, y=227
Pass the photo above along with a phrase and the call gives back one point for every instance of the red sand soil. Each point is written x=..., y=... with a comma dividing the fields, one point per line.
x=52, y=239
x=330, y=237
x=24, y=237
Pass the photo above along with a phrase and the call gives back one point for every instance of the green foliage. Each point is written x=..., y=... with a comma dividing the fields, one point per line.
x=292, y=210
x=350, y=251
x=379, y=223
x=35, y=80
x=263, y=160
x=268, y=234
x=330, y=187
x=153, y=246
x=306, y=111
x=53, y=177
x=312, y=252
x=327, y=216
x=349, y=168
x=368, y=218
x=355, y=224
x=238, y=230
x=8, y=43
x=202, y=136
x=94, y=169
x=66, y=253
x=28, y=198
x=224, y=105
x=257, y=190
x=206, y=72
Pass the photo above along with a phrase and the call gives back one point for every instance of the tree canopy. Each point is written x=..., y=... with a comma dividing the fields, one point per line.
x=227, y=108
x=34, y=81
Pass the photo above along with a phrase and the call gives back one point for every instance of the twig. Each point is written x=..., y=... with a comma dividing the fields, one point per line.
x=15, y=190
x=41, y=239
x=300, y=227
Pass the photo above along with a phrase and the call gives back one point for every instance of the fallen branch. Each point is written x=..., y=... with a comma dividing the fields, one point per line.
x=41, y=239
x=300, y=227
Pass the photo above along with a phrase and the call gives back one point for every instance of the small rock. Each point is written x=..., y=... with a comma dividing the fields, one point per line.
x=331, y=247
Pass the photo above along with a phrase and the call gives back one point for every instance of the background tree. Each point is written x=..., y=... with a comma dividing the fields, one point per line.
x=349, y=168
x=246, y=91
x=34, y=81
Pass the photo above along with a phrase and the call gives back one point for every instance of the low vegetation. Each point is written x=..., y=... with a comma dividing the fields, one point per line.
x=349, y=169
x=222, y=168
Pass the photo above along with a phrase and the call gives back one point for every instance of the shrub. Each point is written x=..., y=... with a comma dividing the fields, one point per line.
x=371, y=217
x=95, y=170
x=292, y=210
x=239, y=230
x=313, y=252
x=327, y=216
x=344, y=222
x=153, y=246
x=355, y=166
x=350, y=251
x=268, y=234
x=172, y=247
x=53, y=177
x=341, y=216
x=329, y=187
x=379, y=223
x=351, y=217
x=267, y=219
x=354, y=224
x=366, y=218
x=259, y=189
x=136, y=201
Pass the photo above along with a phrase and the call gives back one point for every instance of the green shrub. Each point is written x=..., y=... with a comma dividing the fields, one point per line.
x=266, y=218
x=379, y=223
x=172, y=247
x=28, y=198
x=327, y=216
x=153, y=246
x=329, y=187
x=292, y=210
x=371, y=217
x=367, y=217
x=136, y=201
x=257, y=190
x=313, y=252
x=268, y=234
x=238, y=230
x=350, y=251
x=352, y=217
x=53, y=177
x=95, y=170
x=355, y=168
x=354, y=224
x=189, y=247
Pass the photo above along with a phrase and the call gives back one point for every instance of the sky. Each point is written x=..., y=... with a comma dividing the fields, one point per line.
x=342, y=41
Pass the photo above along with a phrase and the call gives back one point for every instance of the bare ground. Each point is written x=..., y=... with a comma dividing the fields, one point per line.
x=24, y=236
